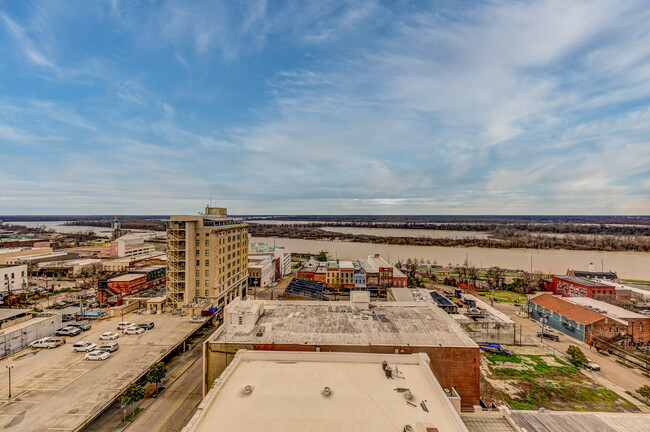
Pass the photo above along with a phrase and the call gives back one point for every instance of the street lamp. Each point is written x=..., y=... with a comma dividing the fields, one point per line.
x=9, y=367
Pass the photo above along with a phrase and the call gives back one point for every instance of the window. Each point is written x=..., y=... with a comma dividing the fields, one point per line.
x=207, y=293
x=241, y=320
x=207, y=262
x=197, y=252
x=207, y=234
x=198, y=262
x=198, y=242
x=196, y=293
x=207, y=252
x=207, y=273
x=611, y=330
x=197, y=273
x=197, y=283
x=601, y=330
x=207, y=283
x=207, y=242
x=640, y=327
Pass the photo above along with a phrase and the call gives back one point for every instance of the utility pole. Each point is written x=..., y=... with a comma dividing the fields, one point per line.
x=9, y=367
x=531, y=262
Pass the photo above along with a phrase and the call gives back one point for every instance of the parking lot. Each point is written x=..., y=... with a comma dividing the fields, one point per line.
x=56, y=389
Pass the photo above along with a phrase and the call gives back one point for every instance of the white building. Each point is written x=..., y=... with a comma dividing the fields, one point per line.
x=13, y=278
x=327, y=391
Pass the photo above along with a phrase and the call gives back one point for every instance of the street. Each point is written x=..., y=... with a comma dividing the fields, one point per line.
x=612, y=375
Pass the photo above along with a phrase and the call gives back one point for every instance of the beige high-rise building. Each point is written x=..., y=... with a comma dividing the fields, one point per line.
x=207, y=258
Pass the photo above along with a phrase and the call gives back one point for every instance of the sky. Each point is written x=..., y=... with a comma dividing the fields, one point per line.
x=325, y=107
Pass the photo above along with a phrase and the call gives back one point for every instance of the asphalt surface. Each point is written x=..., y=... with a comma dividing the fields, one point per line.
x=57, y=389
x=174, y=408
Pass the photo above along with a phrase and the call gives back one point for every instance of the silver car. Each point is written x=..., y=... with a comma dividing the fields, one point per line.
x=109, y=346
x=84, y=346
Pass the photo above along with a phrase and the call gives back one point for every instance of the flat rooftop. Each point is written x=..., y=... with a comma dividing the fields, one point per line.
x=582, y=281
x=287, y=393
x=339, y=323
x=605, y=308
x=7, y=314
x=126, y=277
x=581, y=421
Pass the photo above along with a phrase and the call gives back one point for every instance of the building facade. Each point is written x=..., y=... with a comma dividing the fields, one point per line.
x=573, y=286
x=13, y=278
x=207, y=258
x=574, y=320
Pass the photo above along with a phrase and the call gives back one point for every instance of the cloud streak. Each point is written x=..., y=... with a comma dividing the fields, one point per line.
x=318, y=107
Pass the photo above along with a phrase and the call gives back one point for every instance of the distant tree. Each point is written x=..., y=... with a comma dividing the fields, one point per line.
x=322, y=256
x=156, y=373
x=132, y=394
x=644, y=391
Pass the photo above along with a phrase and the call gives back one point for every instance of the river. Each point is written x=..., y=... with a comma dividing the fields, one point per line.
x=59, y=227
x=629, y=265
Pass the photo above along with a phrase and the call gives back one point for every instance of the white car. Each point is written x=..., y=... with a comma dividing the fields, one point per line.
x=133, y=330
x=197, y=319
x=124, y=324
x=83, y=346
x=49, y=342
x=108, y=336
x=97, y=355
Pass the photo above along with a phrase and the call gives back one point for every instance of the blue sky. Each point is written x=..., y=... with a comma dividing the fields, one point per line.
x=441, y=107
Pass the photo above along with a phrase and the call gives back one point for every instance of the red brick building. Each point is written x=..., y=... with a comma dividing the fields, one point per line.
x=112, y=290
x=572, y=286
x=382, y=327
x=574, y=320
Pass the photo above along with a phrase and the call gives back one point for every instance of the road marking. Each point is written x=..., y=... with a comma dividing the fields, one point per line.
x=176, y=406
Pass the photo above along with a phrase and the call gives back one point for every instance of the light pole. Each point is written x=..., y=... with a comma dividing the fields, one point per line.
x=9, y=367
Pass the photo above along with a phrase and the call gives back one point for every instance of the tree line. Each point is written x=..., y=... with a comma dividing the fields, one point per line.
x=519, y=240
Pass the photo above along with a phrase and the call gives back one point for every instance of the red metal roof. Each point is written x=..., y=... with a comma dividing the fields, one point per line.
x=572, y=311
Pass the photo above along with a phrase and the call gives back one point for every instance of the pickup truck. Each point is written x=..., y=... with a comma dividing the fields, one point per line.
x=48, y=342
x=68, y=331
x=547, y=335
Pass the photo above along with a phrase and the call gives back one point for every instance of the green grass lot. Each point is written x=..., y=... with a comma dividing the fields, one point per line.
x=557, y=386
x=504, y=296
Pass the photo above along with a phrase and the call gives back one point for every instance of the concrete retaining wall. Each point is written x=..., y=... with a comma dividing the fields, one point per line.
x=19, y=336
x=490, y=331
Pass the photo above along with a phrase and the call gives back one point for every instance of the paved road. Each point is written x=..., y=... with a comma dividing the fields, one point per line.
x=171, y=411
x=612, y=375
x=57, y=389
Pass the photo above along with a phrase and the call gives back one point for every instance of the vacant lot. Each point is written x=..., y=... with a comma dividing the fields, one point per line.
x=530, y=382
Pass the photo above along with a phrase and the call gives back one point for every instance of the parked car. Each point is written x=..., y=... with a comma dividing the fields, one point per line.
x=124, y=324
x=109, y=346
x=48, y=342
x=147, y=325
x=197, y=319
x=66, y=318
x=495, y=349
x=97, y=355
x=59, y=304
x=68, y=331
x=82, y=325
x=547, y=335
x=108, y=336
x=133, y=330
x=84, y=346
x=592, y=365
